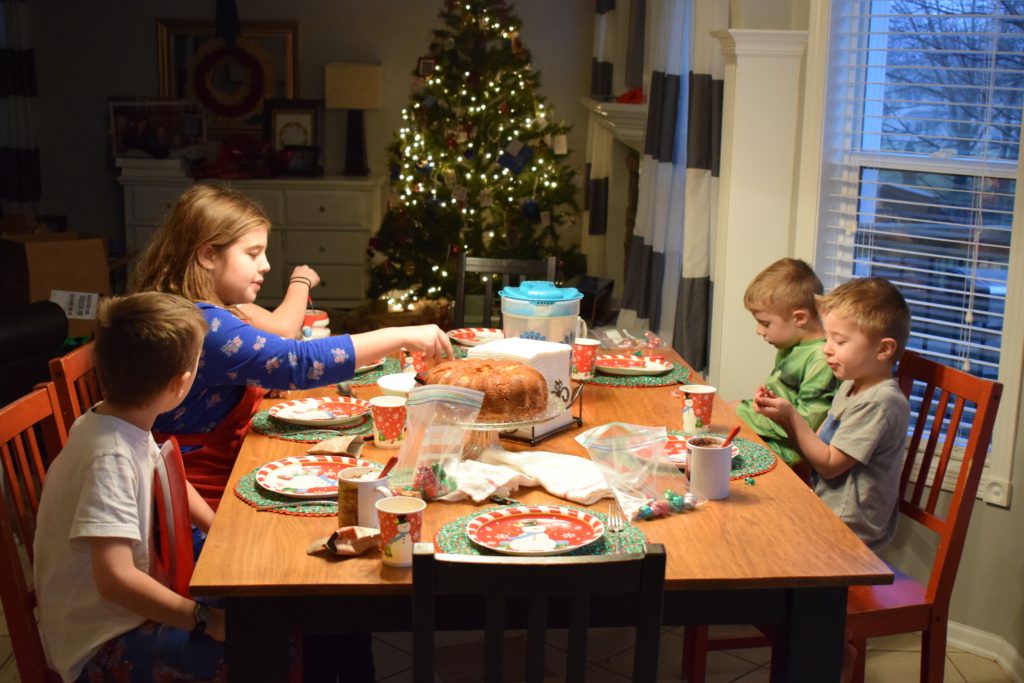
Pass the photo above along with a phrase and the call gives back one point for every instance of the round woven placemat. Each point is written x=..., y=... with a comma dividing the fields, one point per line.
x=263, y=423
x=754, y=458
x=677, y=375
x=452, y=537
x=362, y=379
x=253, y=494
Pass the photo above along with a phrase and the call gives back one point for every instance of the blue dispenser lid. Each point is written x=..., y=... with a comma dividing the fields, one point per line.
x=541, y=292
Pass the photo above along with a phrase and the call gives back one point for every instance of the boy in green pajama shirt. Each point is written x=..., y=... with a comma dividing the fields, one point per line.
x=781, y=299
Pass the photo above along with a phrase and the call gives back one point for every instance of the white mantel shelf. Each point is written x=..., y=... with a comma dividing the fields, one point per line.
x=626, y=122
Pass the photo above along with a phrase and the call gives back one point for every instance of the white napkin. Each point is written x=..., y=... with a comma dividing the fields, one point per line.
x=480, y=481
x=565, y=476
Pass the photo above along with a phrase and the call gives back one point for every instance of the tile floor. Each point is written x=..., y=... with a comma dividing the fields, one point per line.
x=890, y=660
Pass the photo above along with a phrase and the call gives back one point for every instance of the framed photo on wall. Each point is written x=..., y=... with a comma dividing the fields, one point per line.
x=291, y=123
x=156, y=129
x=229, y=83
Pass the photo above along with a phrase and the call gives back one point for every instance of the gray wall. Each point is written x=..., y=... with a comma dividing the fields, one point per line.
x=88, y=52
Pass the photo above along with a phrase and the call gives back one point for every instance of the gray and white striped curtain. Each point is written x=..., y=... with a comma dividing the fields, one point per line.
x=20, y=176
x=604, y=49
x=668, y=285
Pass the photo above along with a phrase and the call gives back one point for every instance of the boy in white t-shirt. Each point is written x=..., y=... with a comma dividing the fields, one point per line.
x=102, y=616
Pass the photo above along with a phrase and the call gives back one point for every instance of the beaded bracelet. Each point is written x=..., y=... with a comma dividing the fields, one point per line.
x=304, y=280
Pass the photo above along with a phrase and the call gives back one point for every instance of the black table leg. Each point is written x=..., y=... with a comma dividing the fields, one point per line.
x=809, y=644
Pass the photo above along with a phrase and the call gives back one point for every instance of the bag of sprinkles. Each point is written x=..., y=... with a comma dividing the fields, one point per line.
x=646, y=484
x=430, y=455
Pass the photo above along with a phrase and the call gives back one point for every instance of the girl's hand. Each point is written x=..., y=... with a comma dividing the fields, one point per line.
x=308, y=273
x=216, y=626
x=429, y=339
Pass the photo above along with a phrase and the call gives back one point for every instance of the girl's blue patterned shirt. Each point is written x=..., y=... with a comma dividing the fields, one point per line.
x=237, y=355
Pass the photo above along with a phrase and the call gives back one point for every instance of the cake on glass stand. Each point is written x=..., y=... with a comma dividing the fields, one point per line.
x=486, y=435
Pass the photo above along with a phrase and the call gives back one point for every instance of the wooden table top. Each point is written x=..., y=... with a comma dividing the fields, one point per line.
x=776, y=533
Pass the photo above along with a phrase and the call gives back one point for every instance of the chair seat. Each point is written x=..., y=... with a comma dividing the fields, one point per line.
x=899, y=607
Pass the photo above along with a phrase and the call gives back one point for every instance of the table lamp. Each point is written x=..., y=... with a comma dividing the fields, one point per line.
x=354, y=87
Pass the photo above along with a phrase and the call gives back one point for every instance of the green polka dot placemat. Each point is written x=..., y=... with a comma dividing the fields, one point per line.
x=677, y=375
x=754, y=458
x=263, y=423
x=452, y=537
x=255, y=495
x=362, y=379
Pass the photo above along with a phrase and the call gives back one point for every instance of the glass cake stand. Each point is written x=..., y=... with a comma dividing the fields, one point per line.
x=486, y=435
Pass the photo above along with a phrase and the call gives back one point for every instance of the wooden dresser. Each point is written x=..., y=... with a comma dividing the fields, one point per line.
x=322, y=222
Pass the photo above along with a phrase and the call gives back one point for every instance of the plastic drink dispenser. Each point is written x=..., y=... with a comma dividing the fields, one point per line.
x=540, y=310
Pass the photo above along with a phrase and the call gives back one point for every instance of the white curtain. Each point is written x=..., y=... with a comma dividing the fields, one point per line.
x=668, y=286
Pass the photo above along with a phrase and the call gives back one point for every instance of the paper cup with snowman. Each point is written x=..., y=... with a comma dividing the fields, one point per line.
x=401, y=522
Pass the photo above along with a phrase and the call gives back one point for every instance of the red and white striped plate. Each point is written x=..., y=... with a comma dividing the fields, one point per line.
x=534, y=530
x=321, y=412
x=676, y=450
x=306, y=476
x=623, y=364
x=471, y=336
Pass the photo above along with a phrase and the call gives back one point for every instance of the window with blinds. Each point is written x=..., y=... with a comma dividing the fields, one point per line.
x=921, y=149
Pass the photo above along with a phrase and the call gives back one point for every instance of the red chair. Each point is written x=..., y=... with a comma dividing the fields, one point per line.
x=906, y=606
x=31, y=435
x=74, y=375
x=172, y=558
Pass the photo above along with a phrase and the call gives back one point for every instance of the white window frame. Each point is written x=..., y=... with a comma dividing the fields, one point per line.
x=995, y=485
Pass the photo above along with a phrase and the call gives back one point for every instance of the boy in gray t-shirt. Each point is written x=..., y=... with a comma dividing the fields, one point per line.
x=858, y=452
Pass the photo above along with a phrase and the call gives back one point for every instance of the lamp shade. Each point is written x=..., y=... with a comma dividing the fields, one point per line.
x=353, y=86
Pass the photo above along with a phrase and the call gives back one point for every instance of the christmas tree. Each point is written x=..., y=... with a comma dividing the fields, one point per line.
x=478, y=164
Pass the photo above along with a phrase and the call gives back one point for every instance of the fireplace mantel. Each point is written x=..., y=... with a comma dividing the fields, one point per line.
x=626, y=122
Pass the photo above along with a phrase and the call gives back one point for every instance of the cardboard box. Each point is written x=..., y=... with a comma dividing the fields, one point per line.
x=33, y=265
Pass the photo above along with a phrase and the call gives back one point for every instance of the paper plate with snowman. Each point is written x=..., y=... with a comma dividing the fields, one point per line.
x=534, y=530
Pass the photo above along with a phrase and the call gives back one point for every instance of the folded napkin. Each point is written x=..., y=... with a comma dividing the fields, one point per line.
x=339, y=445
x=480, y=481
x=565, y=476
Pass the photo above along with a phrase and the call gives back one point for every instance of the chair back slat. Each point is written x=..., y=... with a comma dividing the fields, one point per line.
x=510, y=271
x=74, y=375
x=543, y=587
x=172, y=556
x=24, y=455
x=957, y=390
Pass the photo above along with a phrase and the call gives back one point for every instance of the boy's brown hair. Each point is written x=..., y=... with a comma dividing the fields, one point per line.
x=875, y=305
x=787, y=285
x=203, y=215
x=143, y=341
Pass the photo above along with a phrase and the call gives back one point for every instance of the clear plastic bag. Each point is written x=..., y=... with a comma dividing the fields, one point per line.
x=429, y=459
x=631, y=458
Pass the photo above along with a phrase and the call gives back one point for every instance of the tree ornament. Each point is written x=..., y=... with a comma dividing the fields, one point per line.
x=409, y=268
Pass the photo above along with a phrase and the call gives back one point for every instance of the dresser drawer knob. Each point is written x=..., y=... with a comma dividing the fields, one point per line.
x=322, y=249
x=323, y=209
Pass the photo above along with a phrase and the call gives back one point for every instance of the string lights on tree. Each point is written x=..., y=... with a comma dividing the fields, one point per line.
x=478, y=163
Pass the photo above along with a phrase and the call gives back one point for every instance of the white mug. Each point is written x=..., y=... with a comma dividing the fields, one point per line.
x=357, y=497
x=710, y=467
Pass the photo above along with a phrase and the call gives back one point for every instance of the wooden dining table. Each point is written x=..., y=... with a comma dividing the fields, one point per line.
x=770, y=553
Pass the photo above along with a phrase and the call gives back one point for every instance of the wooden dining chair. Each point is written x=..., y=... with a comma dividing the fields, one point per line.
x=172, y=556
x=78, y=389
x=906, y=606
x=31, y=435
x=511, y=271
x=528, y=588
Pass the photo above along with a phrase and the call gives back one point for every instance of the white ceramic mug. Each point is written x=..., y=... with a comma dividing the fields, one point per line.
x=710, y=466
x=357, y=497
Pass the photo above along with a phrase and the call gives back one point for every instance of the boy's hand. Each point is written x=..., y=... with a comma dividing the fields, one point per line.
x=774, y=408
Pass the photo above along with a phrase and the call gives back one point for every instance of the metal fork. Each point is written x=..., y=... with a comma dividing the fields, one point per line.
x=615, y=527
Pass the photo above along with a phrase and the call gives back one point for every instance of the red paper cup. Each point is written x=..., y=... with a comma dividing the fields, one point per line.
x=388, y=421
x=419, y=360
x=697, y=415
x=401, y=521
x=584, y=353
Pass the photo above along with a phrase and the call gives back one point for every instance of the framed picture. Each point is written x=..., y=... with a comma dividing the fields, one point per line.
x=291, y=123
x=425, y=66
x=229, y=83
x=156, y=129
x=301, y=160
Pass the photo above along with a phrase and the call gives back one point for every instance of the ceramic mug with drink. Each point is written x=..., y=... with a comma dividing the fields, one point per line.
x=359, y=489
x=710, y=465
